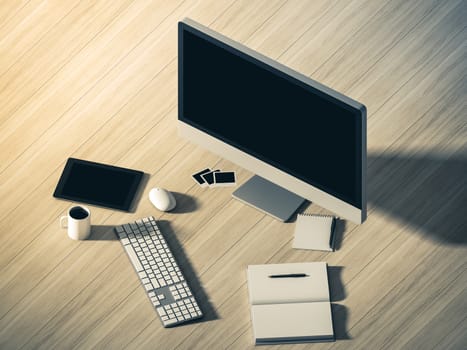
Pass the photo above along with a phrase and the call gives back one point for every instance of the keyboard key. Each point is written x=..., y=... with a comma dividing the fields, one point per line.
x=170, y=322
x=134, y=259
x=155, y=283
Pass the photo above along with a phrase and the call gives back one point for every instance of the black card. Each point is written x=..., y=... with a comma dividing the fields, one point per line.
x=224, y=178
x=197, y=177
x=209, y=177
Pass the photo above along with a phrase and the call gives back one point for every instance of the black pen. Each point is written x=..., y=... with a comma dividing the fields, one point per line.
x=290, y=275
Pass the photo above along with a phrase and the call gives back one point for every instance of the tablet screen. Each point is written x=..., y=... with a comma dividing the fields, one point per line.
x=98, y=184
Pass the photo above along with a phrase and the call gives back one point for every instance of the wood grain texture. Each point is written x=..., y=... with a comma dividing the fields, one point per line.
x=98, y=80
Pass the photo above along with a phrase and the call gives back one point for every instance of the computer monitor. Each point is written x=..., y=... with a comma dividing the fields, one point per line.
x=302, y=139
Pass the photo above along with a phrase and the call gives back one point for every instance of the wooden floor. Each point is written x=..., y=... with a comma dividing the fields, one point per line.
x=98, y=80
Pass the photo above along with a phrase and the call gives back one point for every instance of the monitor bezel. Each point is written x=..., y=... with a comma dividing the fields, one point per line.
x=256, y=165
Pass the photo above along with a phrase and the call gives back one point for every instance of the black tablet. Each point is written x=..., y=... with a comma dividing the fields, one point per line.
x=98, y=184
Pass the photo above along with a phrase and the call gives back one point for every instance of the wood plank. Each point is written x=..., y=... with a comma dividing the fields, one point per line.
x=332, y=30
x=346, y=66
x=189, y=180
x=9, y=10
x=456, y=337
x=98, y=80
x=95, y=54
x=412, y=102
x=355, y=248
x=436, y=320
x=386, y=76
x=26, y=30
x=101, y=103
x=394, y=319
x=43, y=61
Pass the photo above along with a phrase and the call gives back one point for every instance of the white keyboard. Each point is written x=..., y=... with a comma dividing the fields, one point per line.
x=158, y=271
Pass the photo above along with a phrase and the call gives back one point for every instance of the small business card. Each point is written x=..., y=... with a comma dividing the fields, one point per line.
x=224, y=179
x=209, y=177
x=198, y=177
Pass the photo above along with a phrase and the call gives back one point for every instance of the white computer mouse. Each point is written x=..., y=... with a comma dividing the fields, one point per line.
x=162, y=199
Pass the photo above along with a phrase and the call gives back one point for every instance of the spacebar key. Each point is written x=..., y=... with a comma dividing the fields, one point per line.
x=134, y=259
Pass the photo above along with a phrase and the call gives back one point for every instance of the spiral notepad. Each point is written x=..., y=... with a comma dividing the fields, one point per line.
x=314, y=232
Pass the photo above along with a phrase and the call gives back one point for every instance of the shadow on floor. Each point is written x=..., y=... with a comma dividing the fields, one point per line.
x=102, y=233
x=185, y=203
x=339, y=230
x=426, y=191
x=139, y=193
x=337, y=293
x=336, y=287
x=340, y=318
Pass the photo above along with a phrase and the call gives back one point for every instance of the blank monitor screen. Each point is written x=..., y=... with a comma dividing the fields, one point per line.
x=270, y=115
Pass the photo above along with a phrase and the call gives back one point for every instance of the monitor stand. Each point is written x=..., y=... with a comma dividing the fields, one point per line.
x=269, y=198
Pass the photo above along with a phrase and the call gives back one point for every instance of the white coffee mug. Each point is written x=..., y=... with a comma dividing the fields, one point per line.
x=78, y=222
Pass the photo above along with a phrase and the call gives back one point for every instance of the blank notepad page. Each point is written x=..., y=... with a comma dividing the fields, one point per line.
x=314, y=232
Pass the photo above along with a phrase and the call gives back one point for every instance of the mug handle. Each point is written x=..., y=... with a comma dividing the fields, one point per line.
x=61, y=222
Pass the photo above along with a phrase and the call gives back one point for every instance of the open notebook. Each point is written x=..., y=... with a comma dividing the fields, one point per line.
x=290, y=309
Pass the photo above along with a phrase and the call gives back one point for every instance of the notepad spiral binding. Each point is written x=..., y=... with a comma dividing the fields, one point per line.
x=319, y=215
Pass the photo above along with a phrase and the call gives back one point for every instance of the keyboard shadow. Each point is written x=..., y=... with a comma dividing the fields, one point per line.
x=183, y=261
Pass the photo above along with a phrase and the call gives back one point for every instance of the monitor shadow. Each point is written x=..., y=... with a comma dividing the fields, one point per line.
x=426, y=191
